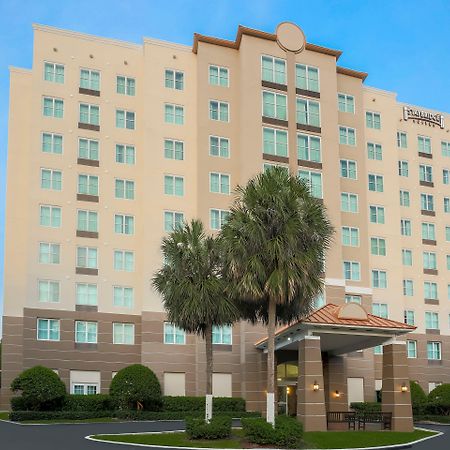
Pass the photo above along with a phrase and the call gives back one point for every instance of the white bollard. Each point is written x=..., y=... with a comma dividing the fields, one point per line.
x=270, y=416
x=209, y=406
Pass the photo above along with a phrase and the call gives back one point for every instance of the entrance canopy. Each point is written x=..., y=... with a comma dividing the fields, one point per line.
x=342, y=329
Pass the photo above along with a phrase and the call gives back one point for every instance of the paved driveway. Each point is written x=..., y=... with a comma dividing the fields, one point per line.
x=71, y=437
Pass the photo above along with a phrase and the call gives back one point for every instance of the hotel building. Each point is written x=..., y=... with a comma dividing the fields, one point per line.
x=113, y=144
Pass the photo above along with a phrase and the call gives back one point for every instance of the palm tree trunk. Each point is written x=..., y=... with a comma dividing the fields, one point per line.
x=209, y=373
x=270, y=407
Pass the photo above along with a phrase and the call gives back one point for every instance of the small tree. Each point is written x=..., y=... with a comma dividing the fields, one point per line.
x=136, y=385
x=41, y=389
x=439, y=400
x=418, y=397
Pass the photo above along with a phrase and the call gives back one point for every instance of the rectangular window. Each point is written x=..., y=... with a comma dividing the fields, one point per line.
x=308, y=148
x=350, y=236
x=447, y=233
x=124, y=260
x=434, y=350
x=402, y=139
x=53, y=107
x=219, y=183
x=426, y=173
x=431, y=320
x=88, y=184
x=430, y=291
x=346, y=103
x=86, y=294
x=123, y=333
x=376, y=214
x=427, y=202
x=308, y=112
x=409, y=317
x=54, y=72
x=428, y=231
x=378, y=350
x=406, y=257
x=378, y=246
x=275, y=142
x=411, y=347
x=219, y=146
x=404, y=198
x=87, y=220
x=52, y=143
x=47, y=330
x=445, y=176
x=219, y=111
x=124, y=224
x=174, y=79
x=380, y=310
x=125, y=154
x=374, y=151
x=375, y=183
x=447, y=204
x=123, y=296
x=174, y=114
x=87, y=257
x=347, y=136
x=173, y=334
x=313, y=180
x=85, y=332
x=352, y=270
x=222, y=335
x=88, y=149
x=125, y=85
x=125, y=119
x=307, y=78
x=89, y=114
x=274, y=105
x=173, y=185
x=379, y=279
x=268, y=166
x=429, y=260
x=273, y=69
x=90, y=79
x=218, y=76
x=217, y=218
x=348, y=169
x=49, y=253
x=405, y=227
x=173, y=220
x=353, y=299
x=408, y=288
x=349, y=202
x=50, y=216
x=173, y=149
x=403, y=168
x=84, y=389
x=51, y=179
x=424, y=144
x=373, y=120
x=448, y=262
x=124, y=189
x=49, y=291
x=445, y=147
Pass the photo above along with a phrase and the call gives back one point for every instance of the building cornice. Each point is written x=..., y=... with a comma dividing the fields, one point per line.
x=167, y=44
x=351, y=73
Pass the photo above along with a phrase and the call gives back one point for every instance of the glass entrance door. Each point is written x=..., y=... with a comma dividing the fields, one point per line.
x=287, y=400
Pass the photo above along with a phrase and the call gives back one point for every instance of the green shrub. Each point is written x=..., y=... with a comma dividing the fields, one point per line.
x=365, y=407
x=17, y=404
x=133, y=385
x=218, y=428
x=20, y=416
x=95, y=402
x=440, y=393
x=41, y=389
x=220, y=404
x=418, y=398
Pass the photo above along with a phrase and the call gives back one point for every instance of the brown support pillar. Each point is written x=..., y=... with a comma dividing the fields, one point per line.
x=336, y=383
x=310, y=404
x=395, y=375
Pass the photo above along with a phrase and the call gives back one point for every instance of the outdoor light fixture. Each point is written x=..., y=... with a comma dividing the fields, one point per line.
x=404, y=387
x=337, y=394
x=315, y=386
x=288, y=390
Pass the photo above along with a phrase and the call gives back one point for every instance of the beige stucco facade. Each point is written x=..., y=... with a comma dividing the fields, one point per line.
x=238, y=365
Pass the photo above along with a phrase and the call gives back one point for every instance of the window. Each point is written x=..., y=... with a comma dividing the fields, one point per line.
x=447, y=204
x=378, y=246
x=447, y=233
x=125, y=154
x=349, y=202
x=348, y=169
x=268, y=166
x=403, y=168
x=123, y=296
x=86, y=294
x=173, y=149
x=373, y=120
x=411, y=348
x=308, y=112
x=401, y=139
x=352, y=270
x=379, y=279
x=173, y=334
x=123, y=333
x=408, y=288
x=308, y=148
x=429, y=260
x=434, y=350
x=50, y=216
x=124, y=260
x=426, y=173
x=404, y=198
x=378, y=350
x=87, y=220
x=448, y=262
x=124, y=189
x=53, y=107
x=350, y=236
x=88, y=184
x=89, y=114
x=409, y=317
x=51, y=179
x=430, y=291
x=125, y=119
x=428, y=231
x=314, y=181
x=88, y=149
x=431, y=320
x=85, y=332
x=219, y=183
x=427, y=202
x=445, y=147
x=319, y=301
x=273, y=69
x=48, y=330
x=445, y=176
x=374, y=151
x=174, y=79
x=217, y=218
x=54, y=72
x=376, y=214
x=424, y=144
x=49, y=291
x=123, y=224
x=84, y=389
x=173, y=220
x=52, y=143
x=275, y=142
x=274, y=105
x=222, y=335
x=174, y=114
x=173, y=185
x=346, y=103
x=405, y=227
x=220, y=146
x=353, y=299
x=375, y=183
x=87, y=257
x=49, y=253
x=307, y=78
x=90, y=79
x=219, y=111
x=406, y=257
x=218, y=76
x=347, y=136
x=380, y=310
x=125, y=85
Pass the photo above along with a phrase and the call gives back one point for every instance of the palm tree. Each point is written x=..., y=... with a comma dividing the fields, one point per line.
x=274, y=242
x=192, y=288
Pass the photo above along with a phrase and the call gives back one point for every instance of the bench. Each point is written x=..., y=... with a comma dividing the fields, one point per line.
x=384, y=418
x=348, y=417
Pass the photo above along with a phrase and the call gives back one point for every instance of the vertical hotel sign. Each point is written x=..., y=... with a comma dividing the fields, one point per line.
x=423, y=117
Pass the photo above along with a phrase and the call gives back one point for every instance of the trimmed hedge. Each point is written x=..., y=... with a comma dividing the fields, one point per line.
x=365, y=407
x=188, y=404
x=20, y=416
x=218, y=428
x=91, y=403
x=418, y=398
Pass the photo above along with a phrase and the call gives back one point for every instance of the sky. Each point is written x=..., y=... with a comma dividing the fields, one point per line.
x=404, y=45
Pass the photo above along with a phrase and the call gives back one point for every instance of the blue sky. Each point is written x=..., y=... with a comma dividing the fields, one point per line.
x=403, y=45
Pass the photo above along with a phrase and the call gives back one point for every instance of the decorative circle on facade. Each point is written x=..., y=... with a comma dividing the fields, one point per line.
x=290, y=37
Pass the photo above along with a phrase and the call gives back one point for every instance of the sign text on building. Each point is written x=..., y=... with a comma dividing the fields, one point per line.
x=423, y=117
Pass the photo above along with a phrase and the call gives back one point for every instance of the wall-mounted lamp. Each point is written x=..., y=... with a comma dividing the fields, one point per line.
x=337, y=394
x=288, y=390
x=404, y=387
x=315, y=386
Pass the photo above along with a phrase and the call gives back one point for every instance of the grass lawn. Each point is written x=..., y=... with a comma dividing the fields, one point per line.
x=4, y=415
x=329, y=439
